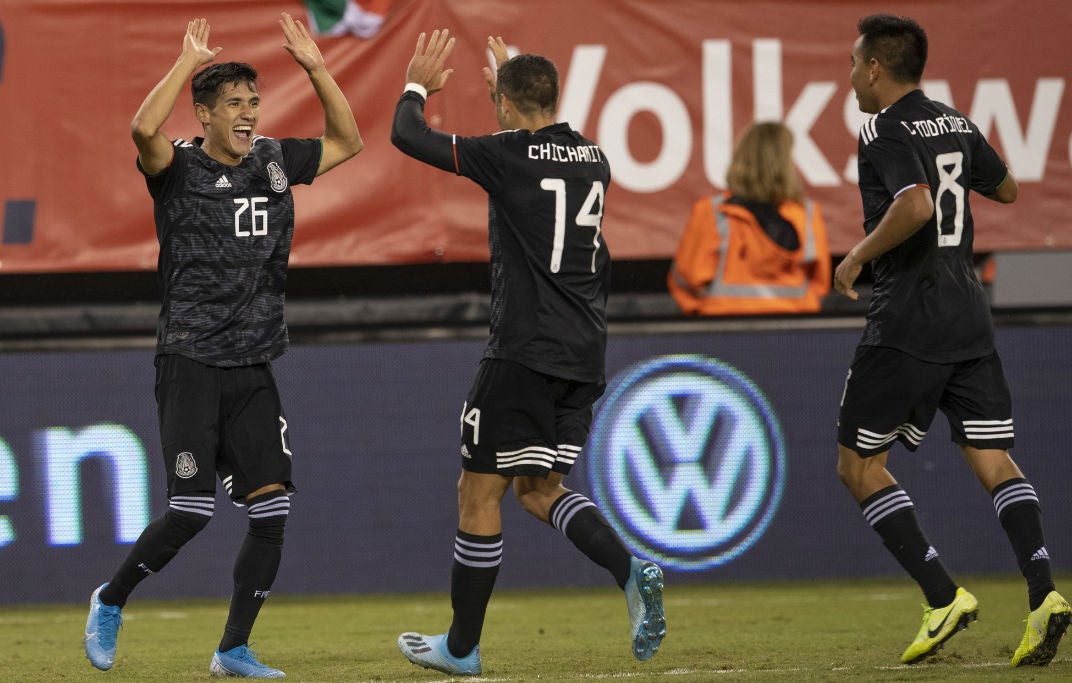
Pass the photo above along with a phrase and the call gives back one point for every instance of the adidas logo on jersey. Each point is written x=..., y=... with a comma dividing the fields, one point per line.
x=223, y=182
x=1040, y=554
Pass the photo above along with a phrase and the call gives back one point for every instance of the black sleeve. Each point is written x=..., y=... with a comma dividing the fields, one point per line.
x=411, y=134
x=988, y=169
x=301, y=158
x=165, y=184
x=481, y=158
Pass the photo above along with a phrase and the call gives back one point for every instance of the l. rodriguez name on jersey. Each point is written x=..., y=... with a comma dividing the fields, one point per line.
x=940, y=125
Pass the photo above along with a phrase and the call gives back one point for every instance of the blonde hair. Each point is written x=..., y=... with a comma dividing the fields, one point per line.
x=762, y=169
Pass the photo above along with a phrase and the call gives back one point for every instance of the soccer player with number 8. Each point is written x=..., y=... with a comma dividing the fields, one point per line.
x=929, y=340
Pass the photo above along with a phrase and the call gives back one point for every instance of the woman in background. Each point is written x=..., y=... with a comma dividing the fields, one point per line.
x=760, y=247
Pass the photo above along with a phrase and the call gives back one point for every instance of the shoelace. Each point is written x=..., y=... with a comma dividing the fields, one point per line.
x=247, y=655
x=109, y=619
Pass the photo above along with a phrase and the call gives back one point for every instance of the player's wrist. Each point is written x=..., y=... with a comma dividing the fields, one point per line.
x=417, y=88
x=857, y=256
x=189, y=62
x=318, y=70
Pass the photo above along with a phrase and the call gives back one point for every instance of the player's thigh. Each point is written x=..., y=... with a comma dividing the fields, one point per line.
x=978, y=405
x=573, y=419
x=256, y=445
x=508, y=422
x=188, y=398
x=889, y=396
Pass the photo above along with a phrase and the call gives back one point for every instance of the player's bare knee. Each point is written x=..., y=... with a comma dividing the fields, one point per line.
x=991, y=466
x=479, y=497
x=850, y=468
x=536, y=495
x=535, y=504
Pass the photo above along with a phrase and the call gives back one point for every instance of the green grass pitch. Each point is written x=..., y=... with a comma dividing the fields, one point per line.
x=764, y=632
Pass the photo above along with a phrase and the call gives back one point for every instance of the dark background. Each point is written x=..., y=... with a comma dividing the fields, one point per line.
x=374, y=429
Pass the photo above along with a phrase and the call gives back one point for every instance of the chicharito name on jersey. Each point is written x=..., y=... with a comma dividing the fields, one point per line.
x=565, y=153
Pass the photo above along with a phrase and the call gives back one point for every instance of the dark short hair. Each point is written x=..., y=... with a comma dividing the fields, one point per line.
x=207, y=83
x=531, y=83
x=898, y=43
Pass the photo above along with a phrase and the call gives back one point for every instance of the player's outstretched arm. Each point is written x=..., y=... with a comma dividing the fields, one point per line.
x=154, y=148
x=425, y=74
x=341, y=138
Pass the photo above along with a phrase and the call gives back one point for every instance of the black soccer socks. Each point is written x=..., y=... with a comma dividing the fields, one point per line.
x=1020, y=515
x=891, y=513
x=256, y=566
x=157, y=544
x=472, y=579
x=586, y=527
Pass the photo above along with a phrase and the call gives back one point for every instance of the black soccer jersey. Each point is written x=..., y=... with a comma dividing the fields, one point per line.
x=225, y=234
x=927, y=299
x=550, y=268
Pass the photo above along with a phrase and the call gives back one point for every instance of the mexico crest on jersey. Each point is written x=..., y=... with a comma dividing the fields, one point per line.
x=276, y=177
x=185, y=465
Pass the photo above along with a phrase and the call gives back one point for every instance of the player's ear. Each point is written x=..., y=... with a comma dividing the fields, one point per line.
x=874, y=69
x=202, y=112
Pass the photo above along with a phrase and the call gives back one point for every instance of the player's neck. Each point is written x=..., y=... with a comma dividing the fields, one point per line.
x=223, y=156
x=535, y=123
x=895, y=92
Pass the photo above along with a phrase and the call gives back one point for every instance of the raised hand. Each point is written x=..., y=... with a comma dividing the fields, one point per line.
x=427, y=65
x=300, y=44
x=498, y=50
x=195, y=42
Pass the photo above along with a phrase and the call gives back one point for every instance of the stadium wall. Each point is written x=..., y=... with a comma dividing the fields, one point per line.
x=663, y=87
x=713, y=450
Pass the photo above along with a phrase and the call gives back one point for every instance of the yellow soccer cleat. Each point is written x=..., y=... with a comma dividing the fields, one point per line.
x=1045, y=626
x=939, y=625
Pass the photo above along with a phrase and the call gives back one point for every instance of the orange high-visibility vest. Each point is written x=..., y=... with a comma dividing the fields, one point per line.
x=726, y=264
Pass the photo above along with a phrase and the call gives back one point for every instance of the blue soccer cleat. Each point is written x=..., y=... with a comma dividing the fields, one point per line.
x=241, y=662
x=432, y=652
x=644, y=597
x=102, y=628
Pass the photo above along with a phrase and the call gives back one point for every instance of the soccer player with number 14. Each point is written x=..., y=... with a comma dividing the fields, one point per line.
x=529, y=410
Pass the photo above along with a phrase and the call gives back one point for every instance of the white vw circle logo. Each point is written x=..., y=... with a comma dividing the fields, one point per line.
x=687, y=461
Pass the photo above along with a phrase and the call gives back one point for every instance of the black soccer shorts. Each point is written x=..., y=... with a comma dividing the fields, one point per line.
x=519, y=422
x=891, y=396
x=221, y=422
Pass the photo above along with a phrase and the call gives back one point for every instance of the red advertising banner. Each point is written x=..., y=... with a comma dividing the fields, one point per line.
x=663, y=87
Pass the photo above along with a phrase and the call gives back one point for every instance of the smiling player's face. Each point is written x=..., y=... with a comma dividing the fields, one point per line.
x=230, y=124
x=860, y=79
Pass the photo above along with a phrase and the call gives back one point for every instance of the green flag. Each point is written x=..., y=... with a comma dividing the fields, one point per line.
x=339, y=17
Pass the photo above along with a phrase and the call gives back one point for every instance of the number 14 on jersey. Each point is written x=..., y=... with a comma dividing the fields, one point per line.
x=590, y=215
